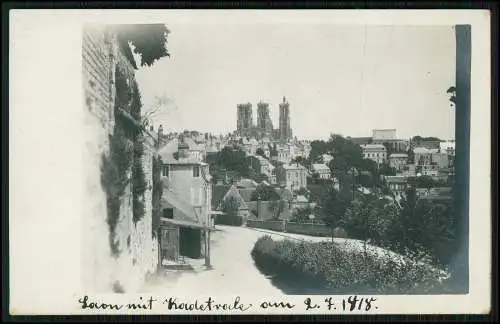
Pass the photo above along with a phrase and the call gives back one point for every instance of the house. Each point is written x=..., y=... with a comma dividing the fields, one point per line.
x=375, y=152
x=283, y=154
x=388, y=137
x=185, y=203
x=447, y=147
x=243, y=210
x=322, y=170
x=423, y=155
x=301, y=202
x=292, y=176
x=261, y=165
x=398, y=161
x=397, y=184
x=441, y=159
x=197, y=151
x=438, y=193
x=431, y=170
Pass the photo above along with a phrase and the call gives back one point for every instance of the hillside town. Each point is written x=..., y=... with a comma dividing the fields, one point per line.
x=185, y=189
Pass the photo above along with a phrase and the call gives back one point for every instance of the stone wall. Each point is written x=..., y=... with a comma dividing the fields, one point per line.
x=139, y=251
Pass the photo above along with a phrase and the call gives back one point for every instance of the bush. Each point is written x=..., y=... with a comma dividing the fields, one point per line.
x=341, y=270
x=232, y=220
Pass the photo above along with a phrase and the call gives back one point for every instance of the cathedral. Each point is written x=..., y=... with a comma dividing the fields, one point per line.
x=264, y=128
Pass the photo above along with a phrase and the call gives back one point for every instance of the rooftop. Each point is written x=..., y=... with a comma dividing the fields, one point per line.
x=398, y=155
x=167, y=154
x=373, y=147
x=319, y=167
x=421, y=150
x=294, y=166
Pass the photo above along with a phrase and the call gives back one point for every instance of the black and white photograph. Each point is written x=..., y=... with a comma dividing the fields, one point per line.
x=247, y=157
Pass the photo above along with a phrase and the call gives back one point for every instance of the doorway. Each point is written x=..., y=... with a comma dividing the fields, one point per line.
x=190, y=242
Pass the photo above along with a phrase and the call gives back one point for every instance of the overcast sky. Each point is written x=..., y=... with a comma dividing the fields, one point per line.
x=337, y=78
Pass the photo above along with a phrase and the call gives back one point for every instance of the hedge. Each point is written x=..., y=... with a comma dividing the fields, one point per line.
x=231, y=220
x=324, y=265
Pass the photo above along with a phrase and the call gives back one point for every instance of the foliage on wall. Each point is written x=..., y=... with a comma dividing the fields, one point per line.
x=156, y=196
x=138, y=177
x=122, y=166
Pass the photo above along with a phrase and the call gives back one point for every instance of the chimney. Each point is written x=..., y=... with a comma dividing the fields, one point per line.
x=183, y=148
x=160, y=132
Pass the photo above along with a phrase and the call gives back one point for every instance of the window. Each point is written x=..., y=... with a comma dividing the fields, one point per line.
x=168, y=213
x=196, y=171
x=165, y=170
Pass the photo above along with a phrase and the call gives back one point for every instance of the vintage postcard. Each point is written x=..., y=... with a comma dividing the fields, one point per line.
x=249, y=162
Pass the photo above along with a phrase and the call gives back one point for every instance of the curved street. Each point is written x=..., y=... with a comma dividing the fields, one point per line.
x=233, y=270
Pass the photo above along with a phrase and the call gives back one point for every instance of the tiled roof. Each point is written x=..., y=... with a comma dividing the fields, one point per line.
x=233, y=192
x=246, y=193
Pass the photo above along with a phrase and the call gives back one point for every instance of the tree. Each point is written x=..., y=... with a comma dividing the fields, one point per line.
x=318, y=148
x=149, y=40
x=301, y=215
x=260, y=152
x=234, y=160
x=364, y=218
x=300, y=160
x=422, y=182
x=230, y=206
x=302, y=191
x=264, y=193
x=278, y=206
x=346, y=155
x=386, y=169
x=333, y=206
x=160, y=104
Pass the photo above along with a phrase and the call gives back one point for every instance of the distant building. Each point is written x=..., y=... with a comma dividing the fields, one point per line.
x=263, y=166
x=384, y=134
x=397, y=184
x=438, y=193
x=322, y=170
x=292, y=176
x=440, y=159
x=423, y=155
x=398, y=161
x=388, y=137
x=284, y=154
x=427, y=143
x=375, y=152
x=300, y=202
